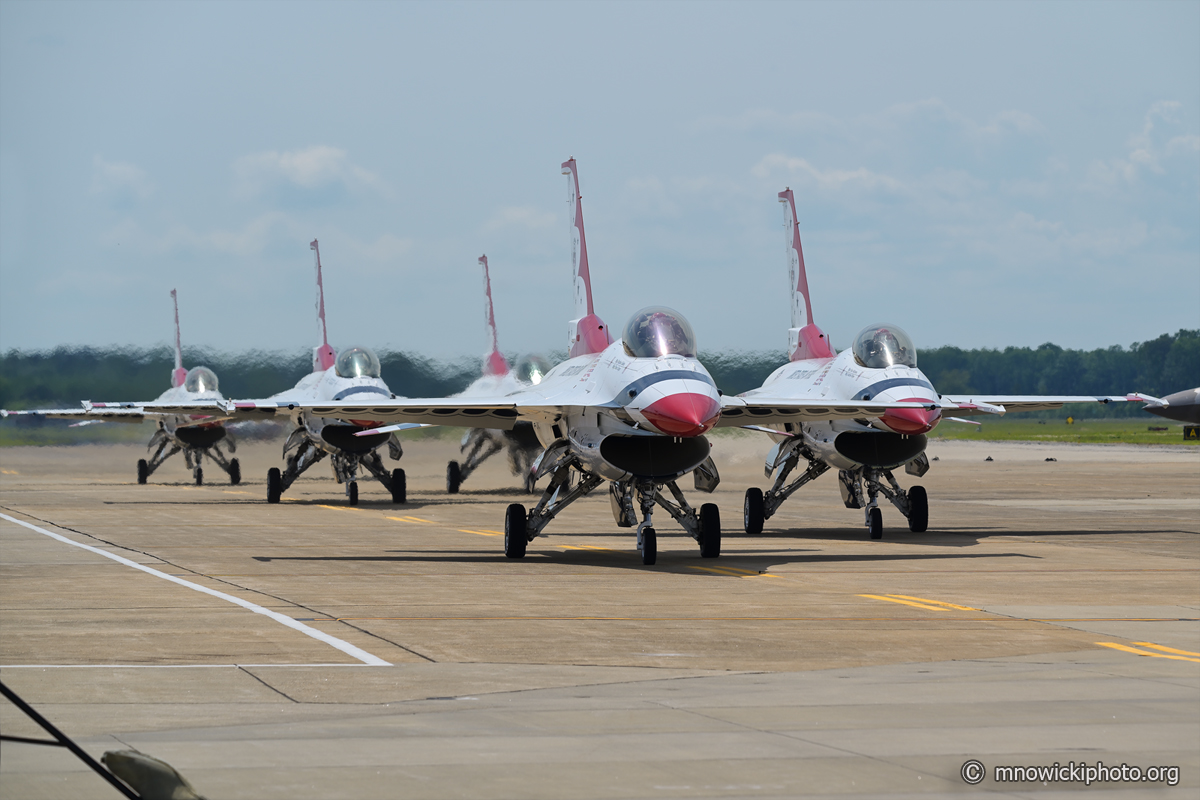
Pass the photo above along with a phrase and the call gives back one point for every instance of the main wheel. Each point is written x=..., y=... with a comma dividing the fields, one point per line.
x=274, y=485
x=453, y=477
x=710, y=530
x=143, y=470
x=876, y=523
x=235, y=472
x=199, y=476
x=753, y=511
x=399, y=486
x=649, y=547
x=918, y=509
x=516, y=538
x=352, y=492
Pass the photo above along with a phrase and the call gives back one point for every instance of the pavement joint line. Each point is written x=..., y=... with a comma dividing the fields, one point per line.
x=339, y=644
x=1127, y=649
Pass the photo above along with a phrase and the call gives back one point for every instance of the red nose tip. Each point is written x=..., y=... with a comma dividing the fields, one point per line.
x=912, y=421
x=683, y=414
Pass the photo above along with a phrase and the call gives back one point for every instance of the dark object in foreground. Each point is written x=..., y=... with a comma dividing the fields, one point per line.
x=1181, y=406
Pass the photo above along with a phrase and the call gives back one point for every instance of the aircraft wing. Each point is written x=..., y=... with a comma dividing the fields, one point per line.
x=765, y=410
x=467, y=412
x=974, y=405
x=109, y=415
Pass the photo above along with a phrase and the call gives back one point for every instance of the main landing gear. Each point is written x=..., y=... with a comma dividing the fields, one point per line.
x=193, y=456
x=480, y=444
x=759, y=507
x=861, y=489
x=345, y=469
x=630, y=499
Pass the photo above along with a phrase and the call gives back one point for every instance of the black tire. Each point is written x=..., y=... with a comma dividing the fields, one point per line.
x=199, y=476
x=352, y=492
x=143, y=471
x=516, y=539
x=876, y=523
x=453, y=477
x=918, y=510
x=753, y=512
x=710, y=531
x=235, y=472
x=399, y=486
x=649, y=547
x=274, y=485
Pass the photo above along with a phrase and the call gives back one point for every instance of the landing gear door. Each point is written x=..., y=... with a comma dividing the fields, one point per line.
x=706, y=476
x=772, y=456
x=918, y=466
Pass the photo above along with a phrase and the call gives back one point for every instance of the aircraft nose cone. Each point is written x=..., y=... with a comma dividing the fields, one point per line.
x=912, y=421
x=683, y=413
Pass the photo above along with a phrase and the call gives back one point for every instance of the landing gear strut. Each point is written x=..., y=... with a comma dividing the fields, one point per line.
x=759, y=506
x=861, y=489
x=345, y=469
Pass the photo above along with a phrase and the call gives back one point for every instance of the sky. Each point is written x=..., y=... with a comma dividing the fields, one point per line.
x=979, y=174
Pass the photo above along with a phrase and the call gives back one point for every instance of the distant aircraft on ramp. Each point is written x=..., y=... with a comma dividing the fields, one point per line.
x=195, y=435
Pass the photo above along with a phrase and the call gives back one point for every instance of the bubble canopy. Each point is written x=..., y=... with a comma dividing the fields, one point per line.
x=658, y=331
x=531, y=369
x=200, y=379
x=883, y=346
x=357, y=362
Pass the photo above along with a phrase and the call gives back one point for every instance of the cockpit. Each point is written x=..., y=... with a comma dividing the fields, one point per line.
x=658, y=331
x=531, y=369
x=357, y=362
x=883, y=346
x=200, y=379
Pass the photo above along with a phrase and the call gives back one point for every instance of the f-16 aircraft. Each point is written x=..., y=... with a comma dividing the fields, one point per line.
x=631, y=412
x=864, y=411
x=195, y=435
x=479, y=444
x=354, y=372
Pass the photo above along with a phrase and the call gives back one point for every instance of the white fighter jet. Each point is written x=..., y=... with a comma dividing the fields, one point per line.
x=630, y=412
x=354, y=372
x=480, y=444
x=864, y=411
x=195, y=435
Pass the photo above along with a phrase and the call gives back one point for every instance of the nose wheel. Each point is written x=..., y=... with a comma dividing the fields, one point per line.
x=648, y=546
x=875, y=523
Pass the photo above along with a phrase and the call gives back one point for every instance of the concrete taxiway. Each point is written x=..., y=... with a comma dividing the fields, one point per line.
x=311, y=650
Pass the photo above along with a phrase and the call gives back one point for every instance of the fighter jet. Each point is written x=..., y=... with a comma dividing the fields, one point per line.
x=354, y=372
x=864, y=411
x=195, y=435
x=480, y=444
x=630, y=412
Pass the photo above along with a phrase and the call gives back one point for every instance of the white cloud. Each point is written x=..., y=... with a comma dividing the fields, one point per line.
x=1146, y=153
x=312, y=169
x=120, y=181
x=830, y=179
x=519, y=217
x=386, y=249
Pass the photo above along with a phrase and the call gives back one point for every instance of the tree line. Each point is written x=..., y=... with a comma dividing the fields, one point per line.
x=64, y=376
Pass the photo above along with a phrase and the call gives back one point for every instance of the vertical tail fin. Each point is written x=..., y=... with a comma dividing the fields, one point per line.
x=494, y=364
x=323, y=356
x=587, y=333
x=805, y=339
x=179, y=374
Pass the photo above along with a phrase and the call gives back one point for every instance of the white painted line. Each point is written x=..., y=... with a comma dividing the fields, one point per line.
x=332, y=641
x=169, y=666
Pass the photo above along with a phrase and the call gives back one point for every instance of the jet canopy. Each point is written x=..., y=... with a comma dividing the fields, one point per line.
x=357, y=362
x=531, y=369
x=658, y=331
x=200, y=379
x=883, y=346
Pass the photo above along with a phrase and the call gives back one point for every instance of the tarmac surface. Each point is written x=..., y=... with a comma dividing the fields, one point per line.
x=312, y=650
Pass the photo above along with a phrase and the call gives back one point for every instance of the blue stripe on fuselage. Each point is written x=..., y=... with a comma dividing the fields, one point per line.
x=344, y=393
x=637, y=387
x=891, y=383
